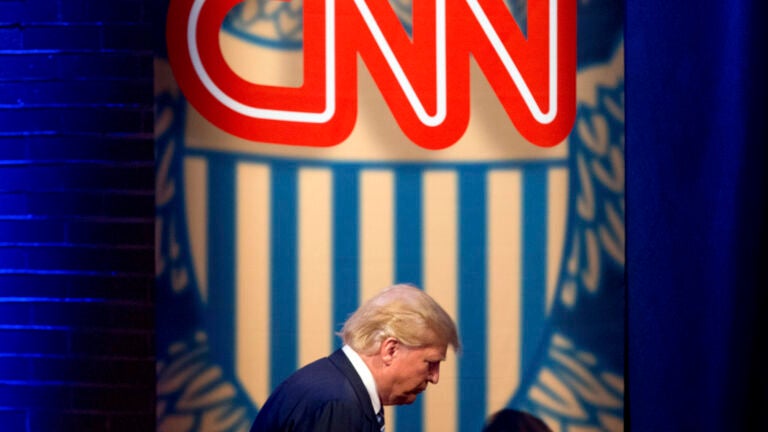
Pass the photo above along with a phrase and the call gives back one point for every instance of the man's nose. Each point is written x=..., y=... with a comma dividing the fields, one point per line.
x=434, y=374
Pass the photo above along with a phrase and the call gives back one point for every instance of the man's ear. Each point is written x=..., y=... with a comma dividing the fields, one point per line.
x=388, y=349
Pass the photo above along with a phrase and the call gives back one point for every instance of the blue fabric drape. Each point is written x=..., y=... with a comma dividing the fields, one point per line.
x=696, y=215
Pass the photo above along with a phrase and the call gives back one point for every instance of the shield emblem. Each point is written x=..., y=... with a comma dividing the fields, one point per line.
x=264, y=250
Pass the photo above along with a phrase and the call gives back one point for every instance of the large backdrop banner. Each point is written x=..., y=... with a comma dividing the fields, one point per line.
x=311, y=153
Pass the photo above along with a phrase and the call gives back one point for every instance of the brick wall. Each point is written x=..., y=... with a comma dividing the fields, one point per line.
x=76, y=216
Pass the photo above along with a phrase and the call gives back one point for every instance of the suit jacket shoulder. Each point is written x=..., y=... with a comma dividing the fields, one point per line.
x=326, y=395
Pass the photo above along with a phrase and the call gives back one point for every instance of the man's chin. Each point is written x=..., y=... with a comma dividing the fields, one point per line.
x=408, y=399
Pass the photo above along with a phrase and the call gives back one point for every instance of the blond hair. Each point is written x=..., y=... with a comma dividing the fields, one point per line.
x=404, y=312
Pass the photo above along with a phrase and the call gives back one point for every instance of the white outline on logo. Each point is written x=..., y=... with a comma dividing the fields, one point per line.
x=394, y=65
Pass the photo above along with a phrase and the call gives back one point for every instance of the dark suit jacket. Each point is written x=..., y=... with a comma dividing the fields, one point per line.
x=326, y=395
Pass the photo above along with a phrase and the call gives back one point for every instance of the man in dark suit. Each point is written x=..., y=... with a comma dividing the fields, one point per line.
x=393, y=346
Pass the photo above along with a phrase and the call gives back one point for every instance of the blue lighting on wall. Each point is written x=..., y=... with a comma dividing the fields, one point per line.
x=76, y=216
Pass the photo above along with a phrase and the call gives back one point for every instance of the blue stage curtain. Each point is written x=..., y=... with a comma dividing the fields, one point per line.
x=696, y=214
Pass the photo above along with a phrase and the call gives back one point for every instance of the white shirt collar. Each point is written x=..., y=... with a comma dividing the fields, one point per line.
x=365, y=376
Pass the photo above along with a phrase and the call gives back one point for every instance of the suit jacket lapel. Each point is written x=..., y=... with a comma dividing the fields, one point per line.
x=340, y=360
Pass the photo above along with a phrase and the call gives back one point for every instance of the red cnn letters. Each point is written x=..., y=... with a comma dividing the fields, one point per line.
x=424, y=77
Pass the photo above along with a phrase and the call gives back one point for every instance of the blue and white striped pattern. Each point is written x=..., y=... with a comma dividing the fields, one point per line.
x=312, y=239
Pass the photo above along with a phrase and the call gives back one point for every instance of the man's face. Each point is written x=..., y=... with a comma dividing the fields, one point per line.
x=411, y=370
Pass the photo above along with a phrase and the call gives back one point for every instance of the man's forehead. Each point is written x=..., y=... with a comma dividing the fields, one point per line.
x=436, y=352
